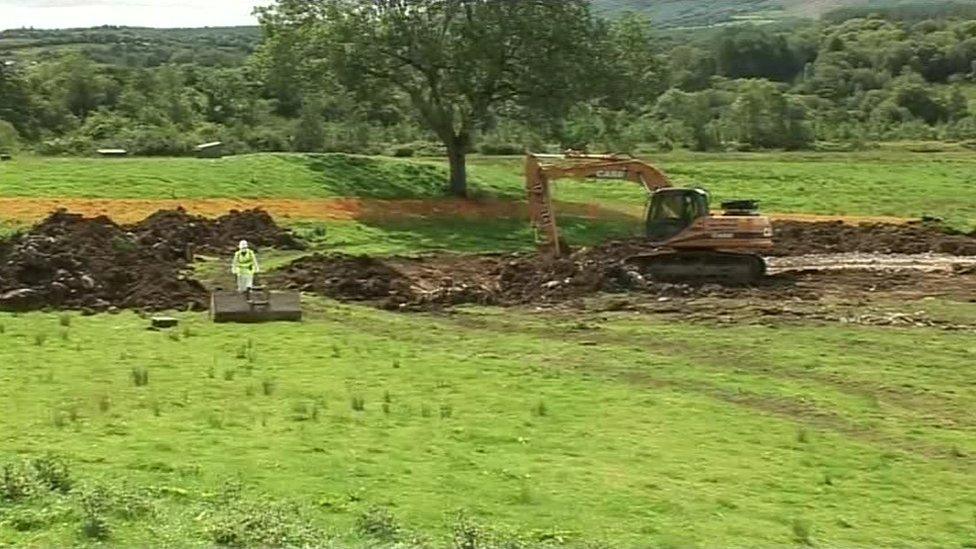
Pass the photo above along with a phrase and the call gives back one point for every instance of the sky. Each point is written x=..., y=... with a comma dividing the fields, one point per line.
x=49, y=14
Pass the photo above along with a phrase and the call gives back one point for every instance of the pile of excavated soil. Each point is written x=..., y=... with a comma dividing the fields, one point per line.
x=182, y=234
x=77, y=263
x=530, y=279
x=799, y=238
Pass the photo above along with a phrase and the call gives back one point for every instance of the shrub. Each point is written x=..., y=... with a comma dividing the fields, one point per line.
x=501, y=149
x=95, y=504
x=378, y=523
x=262, y=524
x=16, y=482
x=402, y=151
x=52, y=473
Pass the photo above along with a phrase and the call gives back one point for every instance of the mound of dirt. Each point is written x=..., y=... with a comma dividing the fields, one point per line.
x=182, y=234
x=799, y=238
x=532, y=279
x=72, y=262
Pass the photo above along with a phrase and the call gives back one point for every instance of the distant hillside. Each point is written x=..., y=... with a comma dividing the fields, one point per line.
x=136, y=47
x=675, y=13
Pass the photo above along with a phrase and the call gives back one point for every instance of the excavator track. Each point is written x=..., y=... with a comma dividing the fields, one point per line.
x=701, y=266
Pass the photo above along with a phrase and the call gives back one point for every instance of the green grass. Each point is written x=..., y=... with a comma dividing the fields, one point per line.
x=248, y=176
x=896, y=183
x=887, y=183
x=399, y=237
x=651, y=432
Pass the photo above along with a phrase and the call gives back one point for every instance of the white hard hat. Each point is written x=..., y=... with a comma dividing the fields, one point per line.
x=242, y=245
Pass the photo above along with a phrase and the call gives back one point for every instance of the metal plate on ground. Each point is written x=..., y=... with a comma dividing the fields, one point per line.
x=273, y=307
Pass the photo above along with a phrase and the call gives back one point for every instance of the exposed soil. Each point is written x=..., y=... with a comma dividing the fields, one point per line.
x=798, y=238
x=871, y=259
x=72, y=262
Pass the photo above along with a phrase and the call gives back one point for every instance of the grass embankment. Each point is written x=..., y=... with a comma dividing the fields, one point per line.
x=632, y=430
x=883, y=183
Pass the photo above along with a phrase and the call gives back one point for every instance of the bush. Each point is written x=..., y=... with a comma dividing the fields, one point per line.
x=158, y=141
x=9, y=138
x=262, y=524
x=501, y=149
x=95, y=505
x=378, y=523
x=402, y=151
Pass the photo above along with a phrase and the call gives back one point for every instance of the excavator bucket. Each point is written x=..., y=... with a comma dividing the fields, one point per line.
x=255, y=305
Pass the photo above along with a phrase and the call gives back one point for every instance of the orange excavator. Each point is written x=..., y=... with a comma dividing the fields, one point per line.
x=691, y=244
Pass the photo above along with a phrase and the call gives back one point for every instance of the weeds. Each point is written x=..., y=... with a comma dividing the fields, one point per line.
x=378, y=523
x=40, y=338
x=104, y=403
x=3, y=329
x=53, y=473
x=801, y=532
x=23, y=479
x=229, y=374
x=396, y=364
x=65, y=334
x=540, y=409
x=446, y=411
x=64, y=320
x=387, y=398
x=336, y=353
x=358, y=403
x=156, y=408
x=425, y=410
x=188, y=332
x=261, y=524
x=16, y=483
x=386, y=408
x=305, y=411
x=173, y=335
x=140, y=376
x=268, y=387
x=95, y=504
x=803, y=436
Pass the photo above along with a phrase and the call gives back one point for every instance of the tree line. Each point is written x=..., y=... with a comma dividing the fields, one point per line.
x=450, y=77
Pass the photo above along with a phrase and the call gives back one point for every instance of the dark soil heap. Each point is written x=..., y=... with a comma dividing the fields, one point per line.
x=519, y=279
x=72, y=262
x=799, y=238
x=183, y=234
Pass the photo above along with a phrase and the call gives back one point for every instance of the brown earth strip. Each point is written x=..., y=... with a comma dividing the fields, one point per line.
x=30, y=210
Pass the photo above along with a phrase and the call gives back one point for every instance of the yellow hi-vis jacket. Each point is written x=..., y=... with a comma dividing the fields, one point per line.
x=245, y=262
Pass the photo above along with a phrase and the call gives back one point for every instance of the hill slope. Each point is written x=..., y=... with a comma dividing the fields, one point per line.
x=711, y=12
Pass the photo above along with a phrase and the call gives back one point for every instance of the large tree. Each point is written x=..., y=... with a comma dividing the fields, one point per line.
x=457, y=63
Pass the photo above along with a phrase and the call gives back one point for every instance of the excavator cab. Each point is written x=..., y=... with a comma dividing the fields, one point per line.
x=671, y=211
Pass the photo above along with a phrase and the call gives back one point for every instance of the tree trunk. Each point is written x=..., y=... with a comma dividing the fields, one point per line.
x=457, y=156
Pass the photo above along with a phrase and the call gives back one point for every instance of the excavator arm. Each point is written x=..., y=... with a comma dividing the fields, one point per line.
x=541, y=170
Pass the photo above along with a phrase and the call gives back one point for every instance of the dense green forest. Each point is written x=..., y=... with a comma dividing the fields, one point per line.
x=859, y=75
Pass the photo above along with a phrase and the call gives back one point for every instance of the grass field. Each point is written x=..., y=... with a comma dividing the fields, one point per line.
x=489, y=427
x=619, y=429
x=889, y=183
